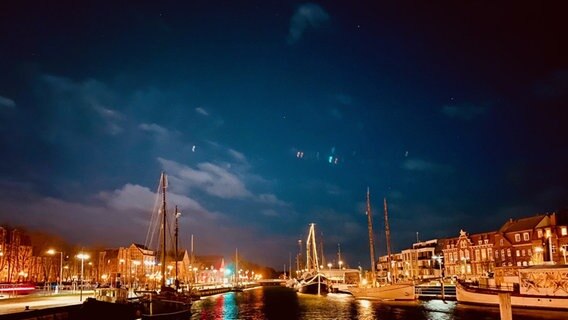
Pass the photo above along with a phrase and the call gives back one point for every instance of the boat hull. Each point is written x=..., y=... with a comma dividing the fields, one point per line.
x=397, y=291
x=312, y=288
x=482, y=296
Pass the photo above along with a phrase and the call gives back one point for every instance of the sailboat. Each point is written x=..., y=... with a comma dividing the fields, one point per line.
x=312, y=280
x=389, y=291
x=166, y=304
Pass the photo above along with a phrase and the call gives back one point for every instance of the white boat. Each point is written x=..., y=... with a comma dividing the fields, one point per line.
x=395, y=291
x=544, y=287
x=312, y=281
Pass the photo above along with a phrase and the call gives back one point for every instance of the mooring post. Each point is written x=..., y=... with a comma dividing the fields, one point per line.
x=505, y=306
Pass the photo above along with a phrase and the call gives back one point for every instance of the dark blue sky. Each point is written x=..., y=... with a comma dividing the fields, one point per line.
x=455, y=112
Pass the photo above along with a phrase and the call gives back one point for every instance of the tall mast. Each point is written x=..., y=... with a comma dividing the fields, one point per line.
x=387, y=234
x=177, y=215
x=163, y=270
x=237, y=265
x=371, y=241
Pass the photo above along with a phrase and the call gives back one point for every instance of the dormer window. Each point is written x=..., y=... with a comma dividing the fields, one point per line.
x=526, y=236
x=486, y=241
x=539, y=233
x=480, y=242
x=518, y=237
x=501, y=242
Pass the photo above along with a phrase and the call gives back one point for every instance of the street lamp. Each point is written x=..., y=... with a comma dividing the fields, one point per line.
x=563, y=249
x=83, y=257
x=329, y=266
x=52, y=252
x=340, y=263
x=439, y=260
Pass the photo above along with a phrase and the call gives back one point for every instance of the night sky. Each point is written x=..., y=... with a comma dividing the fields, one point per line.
x=269, y=115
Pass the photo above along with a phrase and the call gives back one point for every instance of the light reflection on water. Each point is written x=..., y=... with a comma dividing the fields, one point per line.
x=283, y=303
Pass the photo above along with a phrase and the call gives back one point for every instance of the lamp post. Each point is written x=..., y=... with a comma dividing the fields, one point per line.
x=340, y=263
x=82, y=256
x=439, y=259
x=563, y=249
x=329, y=266
x=52, y=252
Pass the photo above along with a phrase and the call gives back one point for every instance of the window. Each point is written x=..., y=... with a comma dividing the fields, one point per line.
x=486, y=241
x=477, y=255
x=524, y=252
x=467, y=254
x=503, y=254
x=518, y=263
x=564, y=231
x=501, y=242
x=496, y=253
x=463, y=244
x=484, y=254
x=539, y=233
x=526, y=236
x=508, y=252
x=490, y=253
x=518, y=252
x=548, y=233
x=517, y=237
x=480, y=242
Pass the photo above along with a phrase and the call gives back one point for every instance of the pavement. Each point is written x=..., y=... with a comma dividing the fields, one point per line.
x=36, y=302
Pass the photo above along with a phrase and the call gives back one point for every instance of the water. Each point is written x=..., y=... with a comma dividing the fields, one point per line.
x=283, y=303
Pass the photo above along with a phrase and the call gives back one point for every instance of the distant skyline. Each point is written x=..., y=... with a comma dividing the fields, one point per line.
x=268, y=116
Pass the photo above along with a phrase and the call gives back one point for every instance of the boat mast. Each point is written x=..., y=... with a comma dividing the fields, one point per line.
x=177, y=214
x=311, y=250
x=387, y=234
x=371, y=241
x=163, y=269
x=237, y=266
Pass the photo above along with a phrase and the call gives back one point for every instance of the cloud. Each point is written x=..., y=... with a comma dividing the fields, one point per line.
x=270, y=199
x=85, y=101
x=424, y=166
x=237, y=155
x=465, y=111
x=154, y=128
x=202, y=111
x=211, y=178
x=7, y=103
x=308, y=15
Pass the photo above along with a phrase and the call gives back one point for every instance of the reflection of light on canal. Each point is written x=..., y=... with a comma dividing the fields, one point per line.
x=230, y=309
x=439, y=309
x=365, y=309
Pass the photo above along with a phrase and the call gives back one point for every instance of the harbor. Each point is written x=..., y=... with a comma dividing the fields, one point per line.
x=277, y=302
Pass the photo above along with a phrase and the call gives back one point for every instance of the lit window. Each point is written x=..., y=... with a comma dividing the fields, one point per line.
x=564, y=231
x=539, y=232
x=526, y=236
x=486, y=241
x=496, y=253
x=524, y=252
x=501, y=242
x=480, y=242
x=517, y=237
x=518, y=253
x=508, y=252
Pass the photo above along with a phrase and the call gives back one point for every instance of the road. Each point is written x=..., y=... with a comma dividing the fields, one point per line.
x=35, y=302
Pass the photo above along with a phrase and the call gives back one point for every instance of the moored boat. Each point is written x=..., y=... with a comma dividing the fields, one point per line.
x=544, y=287
x=316, y=284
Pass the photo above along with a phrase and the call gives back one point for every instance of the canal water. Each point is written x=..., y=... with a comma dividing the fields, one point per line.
x=284, y=303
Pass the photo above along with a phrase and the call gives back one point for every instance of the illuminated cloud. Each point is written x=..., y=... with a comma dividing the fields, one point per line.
x=7, y=103
x=154, y=128
x=211, y=178
x=308, y=15
x=201, y=111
